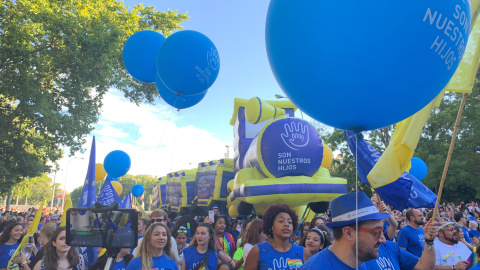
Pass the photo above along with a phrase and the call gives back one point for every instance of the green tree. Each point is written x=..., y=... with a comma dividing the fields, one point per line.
x=75, y=195
x=57, y=60
x=35, y=189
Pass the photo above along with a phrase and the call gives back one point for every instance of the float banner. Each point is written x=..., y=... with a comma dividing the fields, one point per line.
x=286, y=147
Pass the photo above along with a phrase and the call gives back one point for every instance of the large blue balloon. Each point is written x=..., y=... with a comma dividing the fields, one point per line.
x=137, y=190
x=176, y=100
x=139, y=54
x=419, y=168
x=188, y=62
x=117, y=163
x=363, y=65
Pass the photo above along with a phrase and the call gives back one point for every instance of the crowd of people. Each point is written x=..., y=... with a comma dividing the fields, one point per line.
x=357, y=232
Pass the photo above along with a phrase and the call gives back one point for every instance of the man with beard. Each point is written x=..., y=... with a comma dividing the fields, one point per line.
x=450, y=253
x=357, y=225
x=411, y=237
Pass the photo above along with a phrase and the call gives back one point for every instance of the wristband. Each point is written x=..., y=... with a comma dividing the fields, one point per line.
x=428, y=242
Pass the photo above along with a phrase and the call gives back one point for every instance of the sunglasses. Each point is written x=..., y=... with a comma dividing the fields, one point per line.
x=378, y=232
x=54, y=219
x=182, y=231
x=450, y=228
x=157, y=220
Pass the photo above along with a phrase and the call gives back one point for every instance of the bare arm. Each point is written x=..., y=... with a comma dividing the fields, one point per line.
x=184, y=267
x=306, y=254
x=427, y=261
x=83, y=262
x=222, y=256
x=252, y=259
x=37, y=266
x=238, y=263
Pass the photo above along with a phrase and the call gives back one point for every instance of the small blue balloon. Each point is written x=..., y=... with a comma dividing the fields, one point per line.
x=355, y=67
x=419, y=168
x=188, y=63
x=117, y=163
x=139, y=54
x=174, y=99
x=137, y=190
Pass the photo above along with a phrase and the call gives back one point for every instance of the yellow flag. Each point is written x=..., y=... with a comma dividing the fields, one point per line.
x=144, y=214
x=31, y=231
x=464, y=77
x=68, y=205
x=396, y=158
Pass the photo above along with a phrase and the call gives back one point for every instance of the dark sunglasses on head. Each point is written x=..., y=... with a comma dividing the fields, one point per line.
x=157, y=220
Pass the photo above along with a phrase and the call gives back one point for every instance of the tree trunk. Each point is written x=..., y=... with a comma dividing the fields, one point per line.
x=9, y=200
x=26, y=200
x=17, y=200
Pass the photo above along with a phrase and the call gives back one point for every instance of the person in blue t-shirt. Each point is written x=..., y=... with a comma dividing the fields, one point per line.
x=279, y=223
x=9, y=243
x=155, y=251
x=203, y=249
x=412, y=237
x=120, y=263
x=367, y=236
x=461, y=220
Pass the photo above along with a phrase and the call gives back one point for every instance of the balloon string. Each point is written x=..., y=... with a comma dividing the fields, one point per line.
x=161, y=139
x=174, y=140
x=356, y=201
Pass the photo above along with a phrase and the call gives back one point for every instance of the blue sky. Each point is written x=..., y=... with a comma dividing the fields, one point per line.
x=158, y=138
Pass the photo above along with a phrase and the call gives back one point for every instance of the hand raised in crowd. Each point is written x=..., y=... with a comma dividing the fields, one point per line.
x=431, y=230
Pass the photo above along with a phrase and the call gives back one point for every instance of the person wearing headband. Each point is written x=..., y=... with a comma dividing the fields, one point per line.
x=315, y=240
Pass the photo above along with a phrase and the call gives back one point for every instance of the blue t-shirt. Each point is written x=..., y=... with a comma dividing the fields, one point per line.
x=412, y=239
x=193, y=257
x=6, y=252
x=473, y=233
x=465, y=235
x=164, y=262
x=386, y=224
x=270, y=258
x=391, y=256
x=325, y=260
x=476, y=267
x=120, y=265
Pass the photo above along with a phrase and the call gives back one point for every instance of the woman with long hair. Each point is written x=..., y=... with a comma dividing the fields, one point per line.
x=46, y=233
x=225, y=240
x=58, y=255
x=9, y=242
x=315, y=240
x=253, y=236
x=238, y=256
x=181, y=235
x=155, y=251
x=203, y=250
x=279, y=223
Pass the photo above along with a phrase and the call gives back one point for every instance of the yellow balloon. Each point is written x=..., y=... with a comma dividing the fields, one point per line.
x=327, y=156
x=118, y=187
x=100, y=172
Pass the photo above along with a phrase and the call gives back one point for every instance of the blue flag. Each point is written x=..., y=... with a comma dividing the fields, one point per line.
x=87, y=199
x=108, y=195
x=127, y=201
x=407, y=191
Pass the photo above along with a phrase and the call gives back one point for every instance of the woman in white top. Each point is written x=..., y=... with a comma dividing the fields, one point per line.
x=254, y=236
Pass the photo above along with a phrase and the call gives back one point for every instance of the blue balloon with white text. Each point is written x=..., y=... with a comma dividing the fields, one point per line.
x=371, y=63
x=188, y=62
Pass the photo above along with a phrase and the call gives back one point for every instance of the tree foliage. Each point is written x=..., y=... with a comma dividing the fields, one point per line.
x=57, y=60
x=36, y=189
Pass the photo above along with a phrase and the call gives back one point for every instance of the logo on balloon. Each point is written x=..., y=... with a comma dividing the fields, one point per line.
x=213, y=59
x=296, y=135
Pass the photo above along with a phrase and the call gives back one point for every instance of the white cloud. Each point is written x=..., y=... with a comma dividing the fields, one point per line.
x=160, y=147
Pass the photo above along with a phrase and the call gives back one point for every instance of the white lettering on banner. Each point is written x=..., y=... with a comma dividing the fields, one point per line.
x=288, y=163
x=451, y=30
x=385, y=263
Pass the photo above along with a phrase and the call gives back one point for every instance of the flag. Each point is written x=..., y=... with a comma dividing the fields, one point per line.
x=68, y=205
x=31, y=231
x=396, y=158
x=108, y=195
x=144, y=214
x=464, y=77
x=127, y=201
x=406, y=191
x=87, y=199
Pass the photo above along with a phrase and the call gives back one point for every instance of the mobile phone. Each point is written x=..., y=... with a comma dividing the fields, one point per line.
x=30, y=239
x=211, y=216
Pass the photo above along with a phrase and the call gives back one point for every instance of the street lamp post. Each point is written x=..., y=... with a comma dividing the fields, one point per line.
x=277, y=96
x=65, y=184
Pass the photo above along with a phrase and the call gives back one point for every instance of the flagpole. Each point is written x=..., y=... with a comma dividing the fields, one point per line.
x=449, y=156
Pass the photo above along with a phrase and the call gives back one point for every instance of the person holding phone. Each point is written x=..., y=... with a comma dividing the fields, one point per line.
x=203, y=250
x=155, y=251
